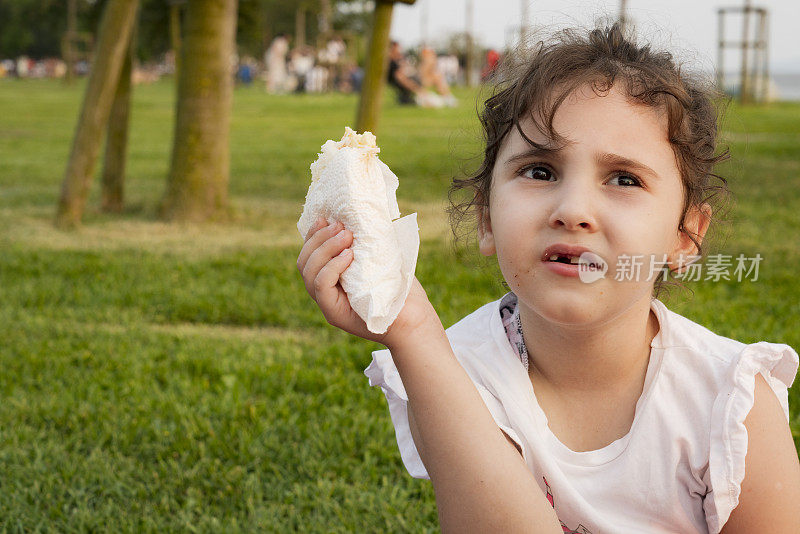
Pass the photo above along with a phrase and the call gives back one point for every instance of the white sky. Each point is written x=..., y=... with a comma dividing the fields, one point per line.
x=689, y=25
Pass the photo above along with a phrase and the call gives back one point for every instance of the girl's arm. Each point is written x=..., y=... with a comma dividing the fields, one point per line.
x=480, y=480
x=770, y=497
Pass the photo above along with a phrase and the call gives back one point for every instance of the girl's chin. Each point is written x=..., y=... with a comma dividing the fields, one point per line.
x=569, y=316
x=565, y=307
x=588, y=308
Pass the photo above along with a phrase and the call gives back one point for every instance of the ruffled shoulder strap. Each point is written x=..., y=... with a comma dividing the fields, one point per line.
x=383, y=372
x=728, y=437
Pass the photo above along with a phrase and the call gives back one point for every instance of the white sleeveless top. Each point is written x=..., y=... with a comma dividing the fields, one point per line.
x=678, y=469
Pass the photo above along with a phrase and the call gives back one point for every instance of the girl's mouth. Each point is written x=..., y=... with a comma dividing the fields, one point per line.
x=563, y=265
x=563, y=253
x=572, y=260
x=564, y=258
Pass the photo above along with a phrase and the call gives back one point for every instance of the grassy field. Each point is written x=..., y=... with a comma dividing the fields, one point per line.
x=169, y=378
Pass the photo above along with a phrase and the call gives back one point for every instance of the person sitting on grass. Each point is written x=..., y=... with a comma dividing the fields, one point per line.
x=399, y=77
x=431, y=80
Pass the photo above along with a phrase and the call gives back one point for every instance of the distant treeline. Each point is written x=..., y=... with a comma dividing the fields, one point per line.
x=35, y=27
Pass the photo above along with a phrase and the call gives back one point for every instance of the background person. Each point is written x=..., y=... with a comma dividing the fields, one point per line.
x=399, y=76
x=432, y=79
x=275, y=61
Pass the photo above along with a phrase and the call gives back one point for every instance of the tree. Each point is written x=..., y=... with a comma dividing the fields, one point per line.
x=197, y=186
x=261, y=20
x=369, y=105
x=113, y=180
x=116, y=28
x=31, y=27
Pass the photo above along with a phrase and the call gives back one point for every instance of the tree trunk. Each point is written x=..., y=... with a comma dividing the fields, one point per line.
x=117, y=140
x=175, y=35
x=197, y=187
x=369, y=104
x=68, y=41
x=115, y=31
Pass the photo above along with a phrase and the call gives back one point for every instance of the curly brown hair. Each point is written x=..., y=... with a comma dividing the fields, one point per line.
x=536, y=82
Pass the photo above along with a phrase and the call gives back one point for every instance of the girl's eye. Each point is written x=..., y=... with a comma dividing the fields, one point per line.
x=625, y=180
x=539, y=173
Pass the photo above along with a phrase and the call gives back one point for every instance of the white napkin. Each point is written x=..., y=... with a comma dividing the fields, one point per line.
x=351, y=185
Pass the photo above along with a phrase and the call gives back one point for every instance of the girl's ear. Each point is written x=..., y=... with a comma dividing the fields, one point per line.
x=694, y=229
x=485, y=235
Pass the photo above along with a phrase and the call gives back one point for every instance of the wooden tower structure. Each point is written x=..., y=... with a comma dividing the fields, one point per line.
x=754, y=69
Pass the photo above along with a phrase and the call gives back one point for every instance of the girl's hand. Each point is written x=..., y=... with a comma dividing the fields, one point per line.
x=324, y=257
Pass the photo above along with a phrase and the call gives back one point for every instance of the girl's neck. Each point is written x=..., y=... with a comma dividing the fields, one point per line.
x=595, y=358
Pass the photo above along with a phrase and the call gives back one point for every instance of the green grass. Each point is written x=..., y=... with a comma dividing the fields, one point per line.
x=168, y=378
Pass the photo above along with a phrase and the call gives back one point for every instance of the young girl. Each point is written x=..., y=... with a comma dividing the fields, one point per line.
x=572, y=405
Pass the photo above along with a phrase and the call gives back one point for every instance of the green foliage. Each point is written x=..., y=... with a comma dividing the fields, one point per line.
x=153, y=37
x=32, y=27
x=160, y=378
x=35, y=27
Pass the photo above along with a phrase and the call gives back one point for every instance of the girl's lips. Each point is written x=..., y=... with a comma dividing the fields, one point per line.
x=572, y=253
x=563, y=269
x=560, y=249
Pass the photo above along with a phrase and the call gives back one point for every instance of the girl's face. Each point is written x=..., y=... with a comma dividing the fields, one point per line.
x=613, y=190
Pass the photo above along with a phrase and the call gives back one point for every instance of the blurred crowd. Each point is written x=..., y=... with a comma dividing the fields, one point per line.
x=305, y=69
x=419, y=77
x=25, y=67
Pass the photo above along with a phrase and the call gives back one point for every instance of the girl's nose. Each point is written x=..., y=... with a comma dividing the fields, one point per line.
x=573, y=209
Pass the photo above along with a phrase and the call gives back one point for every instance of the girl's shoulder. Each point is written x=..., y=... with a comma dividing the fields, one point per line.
x=677, y=331
x=481, y=345
x=708, y=381
x=683, y=340
x=475, y=328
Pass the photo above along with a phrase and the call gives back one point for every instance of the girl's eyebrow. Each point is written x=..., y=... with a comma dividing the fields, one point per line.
x=615, y=160
x=534, y=152
x=606, y=158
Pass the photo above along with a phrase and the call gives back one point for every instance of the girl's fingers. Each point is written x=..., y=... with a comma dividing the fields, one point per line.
x=317, y=235
x=319, y=223
x=320, y=257
x=327, y=291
